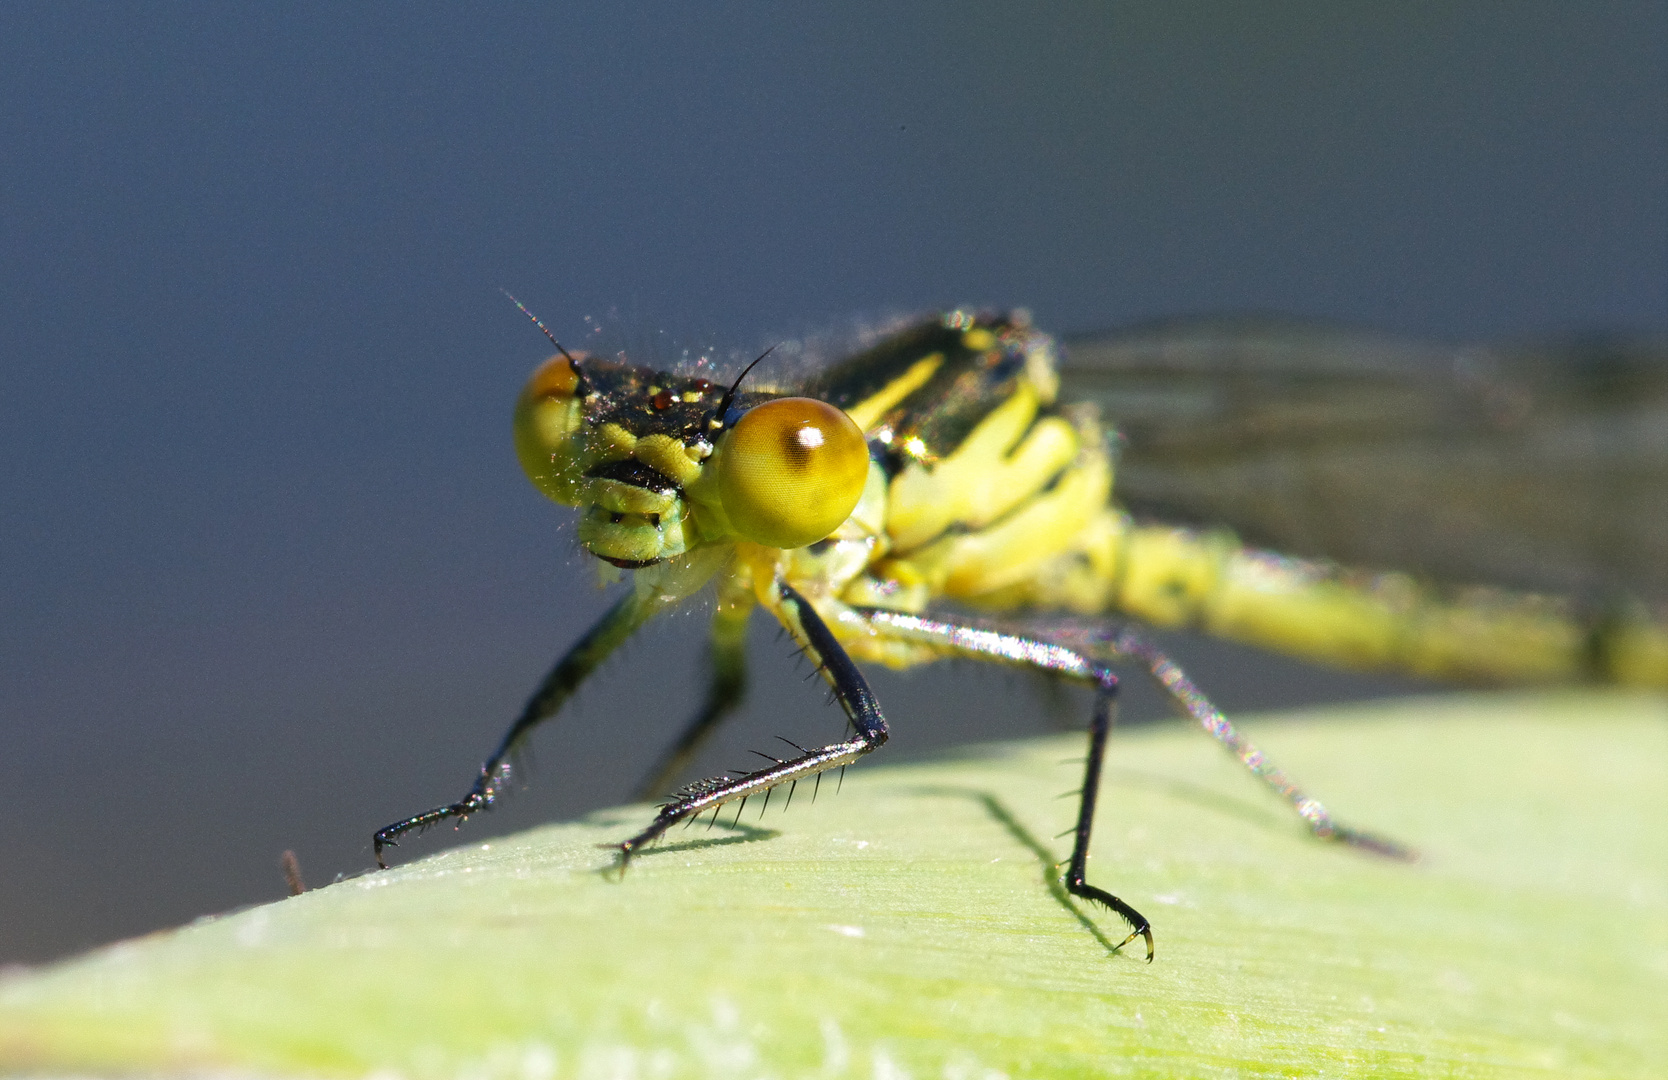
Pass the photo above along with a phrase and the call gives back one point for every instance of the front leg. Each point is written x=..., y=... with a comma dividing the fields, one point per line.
x=586, y=655
x=851, y=690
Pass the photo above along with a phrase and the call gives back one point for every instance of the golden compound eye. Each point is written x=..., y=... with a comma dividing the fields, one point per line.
x=554, y=378
x=546, y=417
x=791, y=471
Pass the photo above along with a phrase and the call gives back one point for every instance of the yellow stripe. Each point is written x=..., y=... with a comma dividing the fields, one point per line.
x=867, y=413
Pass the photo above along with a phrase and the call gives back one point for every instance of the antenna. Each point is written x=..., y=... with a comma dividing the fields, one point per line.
x=729, y=395
x=546, y=329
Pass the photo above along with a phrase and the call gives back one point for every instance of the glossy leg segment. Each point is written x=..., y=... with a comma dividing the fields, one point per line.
x=1120, y=644
x=726, y=687
x=1124, y=644
x=851, y=690
x=1067, y=663
x=621, y=621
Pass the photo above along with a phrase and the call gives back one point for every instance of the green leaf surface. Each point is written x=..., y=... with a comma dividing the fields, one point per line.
x=911, y=926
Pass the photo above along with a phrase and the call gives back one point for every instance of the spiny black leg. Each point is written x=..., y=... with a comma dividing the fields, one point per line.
x=726, y=687
x=1125, y=644
x=1100, y=728
x=850, y=689
x=620, y=622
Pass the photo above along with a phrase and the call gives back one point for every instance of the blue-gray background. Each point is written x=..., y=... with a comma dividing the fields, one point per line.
x=269, y=576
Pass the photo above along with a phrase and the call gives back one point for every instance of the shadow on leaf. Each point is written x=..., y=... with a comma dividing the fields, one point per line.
x=736, y=833
x=1050, y=865
x=1262, y=813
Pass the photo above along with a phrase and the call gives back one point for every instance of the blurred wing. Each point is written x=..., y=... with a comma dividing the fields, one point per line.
x=1531, y=467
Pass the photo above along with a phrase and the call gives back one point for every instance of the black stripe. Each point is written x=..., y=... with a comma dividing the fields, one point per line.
x=636, y=474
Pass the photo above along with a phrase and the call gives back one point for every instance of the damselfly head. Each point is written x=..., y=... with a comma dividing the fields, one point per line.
x=661, y=463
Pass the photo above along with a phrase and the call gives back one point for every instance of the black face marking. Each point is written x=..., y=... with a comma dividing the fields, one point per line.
x=636, y=474
x=629, y=564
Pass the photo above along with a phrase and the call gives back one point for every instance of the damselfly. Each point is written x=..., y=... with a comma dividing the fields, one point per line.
x=962, y=466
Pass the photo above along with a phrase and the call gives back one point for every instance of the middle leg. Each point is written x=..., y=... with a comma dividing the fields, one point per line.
x=726, y=686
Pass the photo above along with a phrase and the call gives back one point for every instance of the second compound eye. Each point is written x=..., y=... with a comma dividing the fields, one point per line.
x=547, y=418
x=791, y=471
